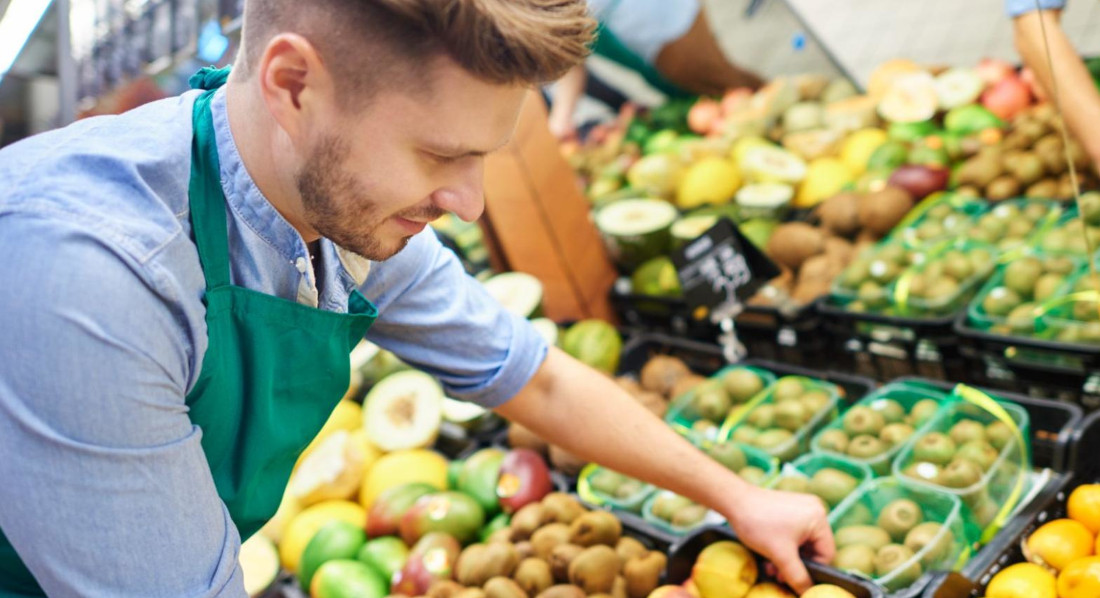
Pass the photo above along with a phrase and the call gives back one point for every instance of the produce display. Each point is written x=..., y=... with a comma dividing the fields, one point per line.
x=829, y=478
x=782, y=418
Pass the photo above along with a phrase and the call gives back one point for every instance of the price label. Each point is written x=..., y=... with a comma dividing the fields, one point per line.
x=721, y=268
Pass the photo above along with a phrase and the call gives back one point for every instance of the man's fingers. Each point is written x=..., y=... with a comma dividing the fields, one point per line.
x=822, y=543
x=793, y=572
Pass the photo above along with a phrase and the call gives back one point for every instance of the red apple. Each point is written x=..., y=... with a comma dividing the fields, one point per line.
x=1007, y=97
x=702, y=115
x=432, y=558
x=993, y=70
x=919, y=181
x=524, y=479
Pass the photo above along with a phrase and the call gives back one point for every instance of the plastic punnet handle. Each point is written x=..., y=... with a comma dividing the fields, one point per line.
x=584, y=489
x=901, y=287
x=985, y=402
x=926, y=204
x=1046, y=307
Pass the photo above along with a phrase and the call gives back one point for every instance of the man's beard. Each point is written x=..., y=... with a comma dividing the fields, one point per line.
x=329, y=193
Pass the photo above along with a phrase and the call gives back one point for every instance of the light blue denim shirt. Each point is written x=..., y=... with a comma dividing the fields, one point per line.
x=104, y=488
x=1015, y=8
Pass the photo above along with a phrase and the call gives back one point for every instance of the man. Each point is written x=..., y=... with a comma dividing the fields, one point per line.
x=1079, y=96
x=668, y=42
x=184, y=282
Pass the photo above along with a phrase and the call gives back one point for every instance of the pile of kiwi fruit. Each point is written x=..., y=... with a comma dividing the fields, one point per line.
x=1079, y=321
x=661, y=379
x=870, y=275
x=945, y=219
x=621, y=489
x=1027, y=282
x=1009, y=225
x=677, y=511
x=959, y=459
x=713, y=399
x=830, y=484
x=555, y=549
x=1069, y=236
x=944, y=283
x=886, y=544
x=733, y=457
x=867, y=432
x=795, y=401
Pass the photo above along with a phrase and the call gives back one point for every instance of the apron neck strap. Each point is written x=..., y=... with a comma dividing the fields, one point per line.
x=207, y=201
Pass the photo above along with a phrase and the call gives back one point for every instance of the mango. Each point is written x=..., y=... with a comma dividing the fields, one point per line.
x=346, y=578
x=387, y=555
x=450, y=512
x=524, y=479
x=479, y=475
x=431, y=559
x=384, y=517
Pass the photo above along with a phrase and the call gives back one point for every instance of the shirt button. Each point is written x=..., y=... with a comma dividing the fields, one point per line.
x=300, y=264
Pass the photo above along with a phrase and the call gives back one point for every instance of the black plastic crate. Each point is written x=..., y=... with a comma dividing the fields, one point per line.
x=887, y=347
x=683, y=554
x=1068, y=372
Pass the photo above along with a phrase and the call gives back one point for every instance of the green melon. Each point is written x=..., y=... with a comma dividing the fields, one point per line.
x=595, y=343
x=636, y=230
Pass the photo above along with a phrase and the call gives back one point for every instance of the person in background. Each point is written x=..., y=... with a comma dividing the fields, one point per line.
x=1080, y=98
x=668, y=42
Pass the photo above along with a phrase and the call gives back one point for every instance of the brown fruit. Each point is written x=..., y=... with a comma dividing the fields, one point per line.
x=1002, y=187
x=560, y=559
x=653, y=403
x=471, y=593
x=549, y=537
x=595, y=527
x=662, y=372
x=1044, y=189
x=524, y=550
x=642, y=574
x=502, y=587
x=979, y=171
x=501, y=535
x=480, y=562
x=520, y=437
x=840, y=214
x=630, y=385
x=595, y=569
x=526, y=520
x=533, y=576
x=444, y=588
x=566, y=462
x=1027, y=168
x=618, y=587
x=1049, y=149
x=880, y=211
x=628, y=548
x=839, y=250
x=564, y=590
x=685, y=384
x=561, y=508
x=816, y=269
x=794, y=242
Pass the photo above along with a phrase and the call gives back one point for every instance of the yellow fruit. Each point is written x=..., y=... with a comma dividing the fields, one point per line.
x=724, y=570
x=709, y=181
x=825, y=177
x=1080, y=579
x=259, y=563
x=1022, y=580
x=302, y=528
x=334, y=469
x=769, y=589
x=287, y=511
x=347, y=415
x=858, y=147
x=743, y=145
x=1059, y=542
x=1084, y=506
x=827, y=590
x=403, y=467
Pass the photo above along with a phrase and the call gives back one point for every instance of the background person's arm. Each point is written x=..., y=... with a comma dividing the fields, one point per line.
x=567, y=94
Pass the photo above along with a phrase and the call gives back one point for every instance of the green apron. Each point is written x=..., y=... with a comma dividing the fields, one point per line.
x=609, y=46
x=272, y=373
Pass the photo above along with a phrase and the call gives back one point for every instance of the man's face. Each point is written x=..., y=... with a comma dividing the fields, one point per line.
x=375, y=177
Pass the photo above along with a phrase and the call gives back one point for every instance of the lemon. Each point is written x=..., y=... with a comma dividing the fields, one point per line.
x=825, y=177
x=347, y=415
x=403, y=467
x=334, y=469
x=858, y=147
x=259, y=563
x=301, y=529
x=1022, y=580
x=709, y=181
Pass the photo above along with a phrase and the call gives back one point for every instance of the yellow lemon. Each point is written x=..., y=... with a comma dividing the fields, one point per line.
x=403, y=467
x=724, y=570
x=709, y=181
x=1080, y=579
x=301, y=529
x=825, y=177
x=1022, y=580
x=1084, y=506
x=259, y=563
x=858, y=147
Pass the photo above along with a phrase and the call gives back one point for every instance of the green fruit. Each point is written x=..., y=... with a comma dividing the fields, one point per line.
x=606, y=481
x=712, y=403
x=862, y=420
x=787, y=389
x=745, y=434
x=855, y=274
x=728, y=454
x=869, y=535
x=1058, y=264
x=336, y=540
x=1000, y=301
x=479, y=477
x=742, y=385
x=957, y=266
x=635, y=231
x=866, y=447
x=660, y=142
x=857, y=558
x=833, y=440
x=883, y=271
x=595, y=343
x=657, y=278
x=889, y=155
x=900, y=516
x=892, y=412
x=452, y=513
x=858, y=514
x=1022, y=274
x=814, y=401
x=926, y=156
x=793, y=483
x=925, y=472
x=773, y=439
x=961, y=474
x=896, y=434
x=981, y=260
x=871, y=295
x=763, y=416
x=985, y=511
x=667, y=504
x=689, y=516
x=1022, y=318
x=756, y=230
x=691, y=227
x=629, y=489
x=705, y=429
x=910, y=132
x=966, y=430
x=928, y=535
x=791, y=415
x=345, y=578
x=971, y=119
x=934, y=447
x=832, y=485
x=922, y=411
x=897, y=560
x=999, y=435
x=753, y=475
x=501, y=521
x=386, y=555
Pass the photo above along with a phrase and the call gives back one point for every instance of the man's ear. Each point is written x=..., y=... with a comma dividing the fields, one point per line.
x=294, y=83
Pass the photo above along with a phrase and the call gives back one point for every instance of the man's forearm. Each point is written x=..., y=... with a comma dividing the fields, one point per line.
x=586, y=413
x=1079, y=97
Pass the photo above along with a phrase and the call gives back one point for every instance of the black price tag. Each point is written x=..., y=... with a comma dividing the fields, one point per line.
x=719, y=268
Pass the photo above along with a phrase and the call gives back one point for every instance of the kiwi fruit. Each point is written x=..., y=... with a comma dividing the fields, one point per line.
x=786, y=389
x=745, y=434
x=666, y=504
x=502, y=535
x=961, y=473
x=728, y=454
x=791, y=415
x=773, y=438
x=533, y=576
x=629, y=488
x=562, y=590
x=753, y=475
x=763, y=416
x=1022, y=274
x=891, y=411
x=862, y=420
x=869, y=535
x=890, y=560
x=1000, y=301
x=662, y=372
x=900, y=516
x=832, y=485
x=548, y=537
x=871, y=294
x=560, y=559
x=925, y=535
x=833, y=440
x=978, y=452
x=1047, y=285
x=999, y=434
x=742, y=384
x=473, y=567
x=526, y=520
x=503, y=587
x=855, y=274
x=711, y=402
x=858, y=514
x=934, y=447
x=793, y=483
x=856, y=557
x=444, y=588
x=814, y=401
x=1003, y=187
x=866, y=447
x=606, y=481
x=628, y=548
x=985, y=511
x=595, y=527
x=594, y=569
x=924, y=471
x=966, y=430
x=642, y=574
x=689, y=516
x=559, y=507
x=685, y=385
x=922, y=411
x=705, y=429
x=470, y=593
x=895, y=434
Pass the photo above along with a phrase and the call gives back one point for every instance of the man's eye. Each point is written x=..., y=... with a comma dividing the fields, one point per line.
x=443, y=159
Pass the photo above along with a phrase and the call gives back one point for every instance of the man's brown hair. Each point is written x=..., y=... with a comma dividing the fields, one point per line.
x=367, y=43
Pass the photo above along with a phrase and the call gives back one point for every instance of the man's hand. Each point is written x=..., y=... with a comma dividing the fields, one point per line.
x=784, y=527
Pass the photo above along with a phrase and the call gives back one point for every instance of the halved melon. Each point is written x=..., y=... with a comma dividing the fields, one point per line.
x=547, y=329
x=636, y=230
x=403, y=411
x=259, y=563
x=518, y=292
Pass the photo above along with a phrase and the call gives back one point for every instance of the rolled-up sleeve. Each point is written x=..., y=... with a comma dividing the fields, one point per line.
x=437, y=318
x=1016, y=8
x=105, y=488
